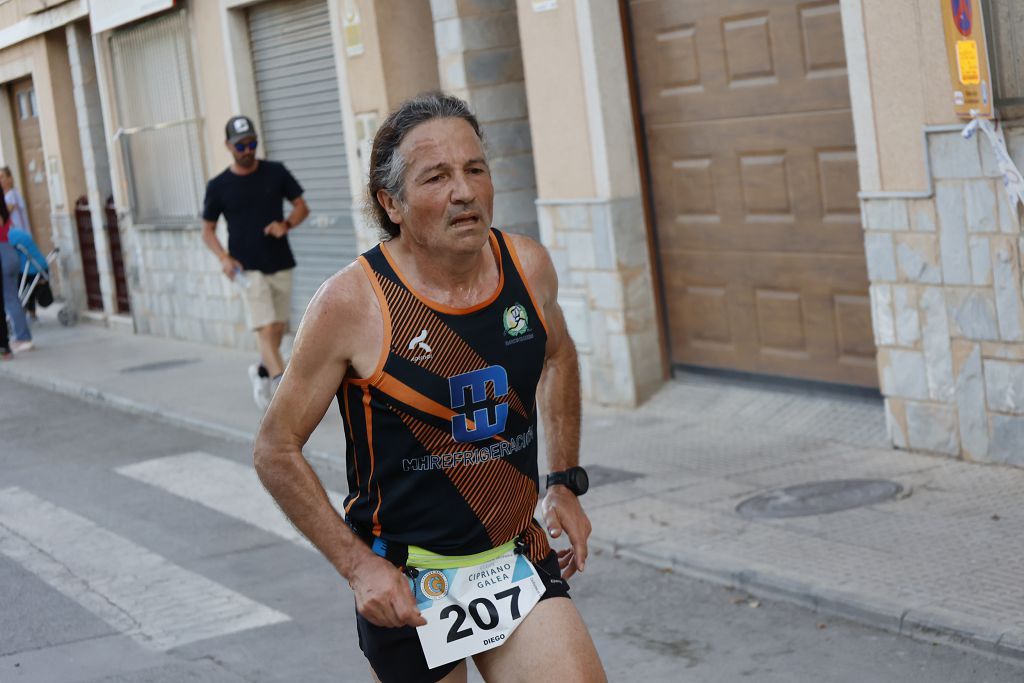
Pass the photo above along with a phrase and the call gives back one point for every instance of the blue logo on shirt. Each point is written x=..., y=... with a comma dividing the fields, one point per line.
x=476, y=381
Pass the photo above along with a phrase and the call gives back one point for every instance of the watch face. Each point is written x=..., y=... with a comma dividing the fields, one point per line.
x=580, y=480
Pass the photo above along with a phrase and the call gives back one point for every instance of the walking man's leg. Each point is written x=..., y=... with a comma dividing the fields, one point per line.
x=263, y=321
x=269, y=338
x=279, y=286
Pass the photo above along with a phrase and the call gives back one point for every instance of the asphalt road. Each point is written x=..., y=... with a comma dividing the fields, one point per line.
x=131, y=550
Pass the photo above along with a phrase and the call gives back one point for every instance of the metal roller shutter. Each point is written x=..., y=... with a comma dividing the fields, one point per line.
x=300, y=125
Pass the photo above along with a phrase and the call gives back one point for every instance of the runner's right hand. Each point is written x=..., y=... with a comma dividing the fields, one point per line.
x=382, y=593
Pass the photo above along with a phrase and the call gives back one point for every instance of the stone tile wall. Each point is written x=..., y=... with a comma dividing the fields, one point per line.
x=479, y=60
x=605, y=292
x=71, y=277
x=179, y=291
x=947, y=307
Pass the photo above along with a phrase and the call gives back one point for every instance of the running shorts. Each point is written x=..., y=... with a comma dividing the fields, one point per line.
x=395, y=653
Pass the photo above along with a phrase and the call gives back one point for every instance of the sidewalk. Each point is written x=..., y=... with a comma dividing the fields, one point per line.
x=193, y=385
x=944, y=559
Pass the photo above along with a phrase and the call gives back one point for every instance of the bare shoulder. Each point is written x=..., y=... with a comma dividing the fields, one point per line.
x=343, y=295
x=536, y=264
x=339, y=314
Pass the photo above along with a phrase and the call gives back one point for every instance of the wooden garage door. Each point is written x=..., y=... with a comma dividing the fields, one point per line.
x=754, y=179
x=33, y=188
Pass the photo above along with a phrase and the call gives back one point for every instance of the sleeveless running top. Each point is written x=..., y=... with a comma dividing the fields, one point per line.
x=442, y=438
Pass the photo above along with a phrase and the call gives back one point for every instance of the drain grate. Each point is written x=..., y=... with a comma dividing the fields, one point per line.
x=818, y=498
x=160, y=365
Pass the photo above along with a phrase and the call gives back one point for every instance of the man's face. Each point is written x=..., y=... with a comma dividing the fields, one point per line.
x=448, y=198
x=244, y=151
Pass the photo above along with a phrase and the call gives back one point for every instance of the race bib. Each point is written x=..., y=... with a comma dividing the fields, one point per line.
x=473, y=609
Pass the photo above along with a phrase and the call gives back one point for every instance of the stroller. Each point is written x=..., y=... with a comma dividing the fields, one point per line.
x=40, y=283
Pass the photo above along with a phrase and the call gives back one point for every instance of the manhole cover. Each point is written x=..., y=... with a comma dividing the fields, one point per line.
x=818, y=498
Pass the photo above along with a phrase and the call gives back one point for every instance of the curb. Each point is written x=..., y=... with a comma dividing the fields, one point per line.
x=102, y=398
x=927, y=624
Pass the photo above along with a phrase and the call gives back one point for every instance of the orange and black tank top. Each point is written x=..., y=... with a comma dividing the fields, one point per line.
x=442, y=438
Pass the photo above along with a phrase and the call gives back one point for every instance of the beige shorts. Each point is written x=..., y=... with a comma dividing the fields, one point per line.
x=268, y=298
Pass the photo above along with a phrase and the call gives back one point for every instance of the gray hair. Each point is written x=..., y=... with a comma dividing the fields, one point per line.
x=388, y=166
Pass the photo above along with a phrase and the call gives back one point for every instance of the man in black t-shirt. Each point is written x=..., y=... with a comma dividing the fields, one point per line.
x=250, y=194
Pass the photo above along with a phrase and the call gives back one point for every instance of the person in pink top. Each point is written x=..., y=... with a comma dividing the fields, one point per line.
x=5, y=342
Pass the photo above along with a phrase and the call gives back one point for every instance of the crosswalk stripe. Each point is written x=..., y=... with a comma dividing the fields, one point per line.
x=135, y=590
x=229, y=487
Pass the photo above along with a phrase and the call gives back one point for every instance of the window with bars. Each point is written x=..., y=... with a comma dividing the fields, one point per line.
x=158, y=117
x=1004, y=23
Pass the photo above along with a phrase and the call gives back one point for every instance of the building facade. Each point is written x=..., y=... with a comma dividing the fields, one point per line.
x=943, y=242
x=761, y=186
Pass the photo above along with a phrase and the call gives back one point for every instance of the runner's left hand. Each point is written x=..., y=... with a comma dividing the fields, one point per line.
x=276, y=229
x=563, y=512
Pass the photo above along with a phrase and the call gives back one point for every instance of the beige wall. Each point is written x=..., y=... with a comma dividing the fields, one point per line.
x=407, y=50
x=367, y=85
x=937, y=90
x=57, y=113
x=10, y=13
x=45, y=59
x=398, y=60
x=561, y=146
x=215, y=107
x=15, y=62
x=909, y=85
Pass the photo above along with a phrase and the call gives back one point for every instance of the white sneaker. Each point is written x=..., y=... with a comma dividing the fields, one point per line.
x=19, y=346
x=260, y=387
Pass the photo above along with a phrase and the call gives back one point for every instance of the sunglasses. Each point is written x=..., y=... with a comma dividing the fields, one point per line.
x=242, y=146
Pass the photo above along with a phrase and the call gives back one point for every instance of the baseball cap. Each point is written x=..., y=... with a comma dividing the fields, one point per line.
x=239, y=127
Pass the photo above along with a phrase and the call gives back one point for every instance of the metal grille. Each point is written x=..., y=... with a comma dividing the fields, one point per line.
x=300, y=120
x=1005, y=24
x=159, y=120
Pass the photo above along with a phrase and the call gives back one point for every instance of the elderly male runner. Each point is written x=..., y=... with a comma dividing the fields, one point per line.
x=438, y=343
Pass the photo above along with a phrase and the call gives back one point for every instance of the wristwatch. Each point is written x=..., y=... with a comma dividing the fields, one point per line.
x=575, y=479
x=288, y=224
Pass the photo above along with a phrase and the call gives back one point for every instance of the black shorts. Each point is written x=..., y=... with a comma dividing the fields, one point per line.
x=395, y=653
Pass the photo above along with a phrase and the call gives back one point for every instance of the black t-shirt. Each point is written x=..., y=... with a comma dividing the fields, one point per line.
x=250, y=203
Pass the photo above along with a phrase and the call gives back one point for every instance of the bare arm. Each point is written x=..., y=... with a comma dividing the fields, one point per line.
x=319, y=361
x=559, y=392
x=558, y=395
x=300, y=209
x=227, y=263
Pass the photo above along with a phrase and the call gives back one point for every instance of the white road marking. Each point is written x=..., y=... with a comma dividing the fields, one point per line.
x=136, y=591
x=230, y=488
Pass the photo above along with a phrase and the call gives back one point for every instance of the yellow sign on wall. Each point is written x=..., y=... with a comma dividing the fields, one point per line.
x=969, y=70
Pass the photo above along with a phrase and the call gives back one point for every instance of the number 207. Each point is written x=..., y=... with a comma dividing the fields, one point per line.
x=486, y=621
